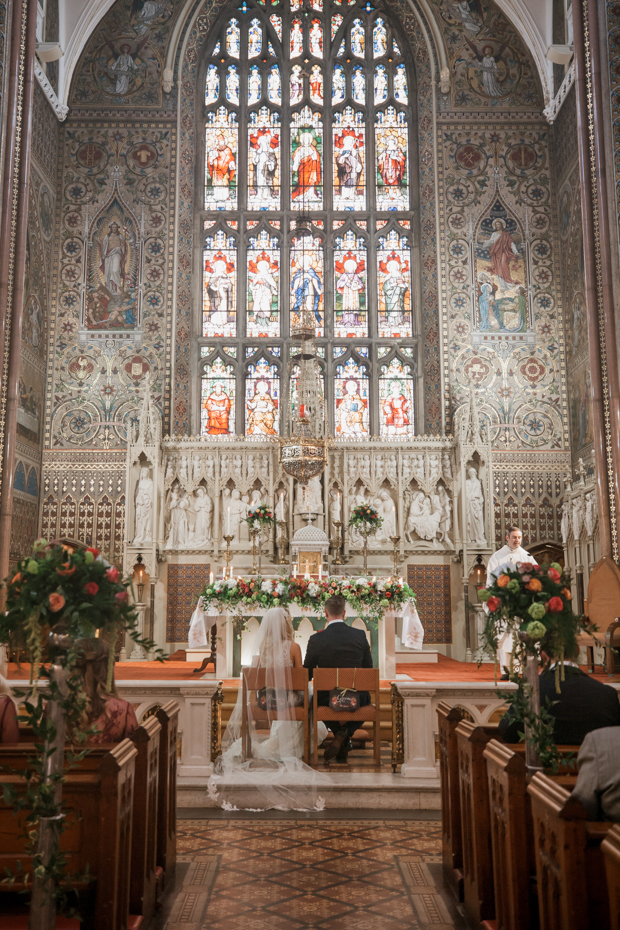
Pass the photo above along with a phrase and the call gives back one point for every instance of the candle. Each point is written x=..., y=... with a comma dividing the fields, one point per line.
x=320, y=572
x=294, y=569
x=228, y=520
x=211, y=578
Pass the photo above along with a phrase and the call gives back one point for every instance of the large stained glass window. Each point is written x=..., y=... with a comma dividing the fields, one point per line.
x=309, y=201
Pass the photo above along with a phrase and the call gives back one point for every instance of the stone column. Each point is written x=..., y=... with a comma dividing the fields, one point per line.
x=598, y=274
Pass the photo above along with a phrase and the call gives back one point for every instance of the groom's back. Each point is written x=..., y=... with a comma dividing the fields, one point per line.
x=338, y=646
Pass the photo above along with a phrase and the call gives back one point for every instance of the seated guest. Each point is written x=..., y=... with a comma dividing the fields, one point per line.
x=338, y=646
x=114, y=718
x=9, y=730
x=583, y=704
x=598, y=783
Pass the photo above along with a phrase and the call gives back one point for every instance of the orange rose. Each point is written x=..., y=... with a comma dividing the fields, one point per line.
x=566, y=593
x=16, y=578
x=68, y=549
x=502, y=581
x=534, y=585
x=65, y=571
x=57, y=602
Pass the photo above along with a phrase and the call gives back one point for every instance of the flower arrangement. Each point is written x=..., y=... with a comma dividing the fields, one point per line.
x=259, y=516
x=366, y=518
x=368, y=597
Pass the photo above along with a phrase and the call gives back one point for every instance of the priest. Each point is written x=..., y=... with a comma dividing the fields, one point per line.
x=508, y=557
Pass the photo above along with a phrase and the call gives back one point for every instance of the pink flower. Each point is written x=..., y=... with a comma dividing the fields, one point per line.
x=57, y=602
x=526, y=567
x=91, y=588
x=553, y=574
x=526, y=578
x=555, y=605
x=112, y=574
x=122, y=597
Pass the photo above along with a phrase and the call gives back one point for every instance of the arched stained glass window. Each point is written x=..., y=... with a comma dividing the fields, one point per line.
x=217, y=401
x=308, y=122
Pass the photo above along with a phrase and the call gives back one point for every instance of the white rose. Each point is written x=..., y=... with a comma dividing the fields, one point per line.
x=313, y=589
x=280, y=588
x=266, y=587
x=231, y=583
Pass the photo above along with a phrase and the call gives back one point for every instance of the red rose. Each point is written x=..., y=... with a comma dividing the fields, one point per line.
x=387, y=594
x=493, y=603
x=554, y=574
x=555, y=605
x=112, y=574
x=122, y=597
x=95, y=552
x=91, y=588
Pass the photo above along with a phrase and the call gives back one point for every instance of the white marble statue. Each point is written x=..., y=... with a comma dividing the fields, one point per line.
x=238, y=469
x=445, y=504
x=196, y=468
x=474, y=497
x=565, y=521
x=238, y=510
x=446, y=465
x=244, y=529
x=203, y=505
x=178, y=533
x=144, y=508
x=392, y=468
x=183, y=468
x=335, y=506
x=282, y=506
x=578, y=515
x=169, y=470
x=225, y=512
x=251, y=466
x=310, y=496
x=387, y=510
x=224, y=465
x=591, y=513
x=424, y=518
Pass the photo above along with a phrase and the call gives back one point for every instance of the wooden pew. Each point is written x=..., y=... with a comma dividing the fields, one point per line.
x=610, y=847
x=98, y=834
x=572, y=888
x=449, y=718
x=478, y=897
x=143, y=884
x=168, y=716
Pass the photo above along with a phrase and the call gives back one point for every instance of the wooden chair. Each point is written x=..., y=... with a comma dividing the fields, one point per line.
x=168, y=716
x=610, y=847
x=449, y=718
x=572, y=888
x=478, y=896
x=253, y=679
x=362, y=679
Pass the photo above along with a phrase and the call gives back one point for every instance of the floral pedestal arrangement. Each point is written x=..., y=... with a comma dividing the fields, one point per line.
x=366, y=520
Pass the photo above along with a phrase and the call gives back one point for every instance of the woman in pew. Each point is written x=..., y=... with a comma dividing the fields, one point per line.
x=9, y=730
x=113, y=718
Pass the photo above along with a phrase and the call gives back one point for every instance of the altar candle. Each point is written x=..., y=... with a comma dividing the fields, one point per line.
x=294, y=569
x=211, y=578
x=320, y=573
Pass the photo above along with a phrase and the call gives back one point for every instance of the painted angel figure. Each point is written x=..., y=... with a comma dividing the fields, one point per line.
x=124, y=67
x=463, y=11
x=487, y=61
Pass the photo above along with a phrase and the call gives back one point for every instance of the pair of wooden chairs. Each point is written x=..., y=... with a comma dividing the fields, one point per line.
x=325, y=679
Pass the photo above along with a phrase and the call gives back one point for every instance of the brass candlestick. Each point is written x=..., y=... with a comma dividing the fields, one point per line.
x=338, y=526
x=395, y=555
x=281, y=542
x=228, y=554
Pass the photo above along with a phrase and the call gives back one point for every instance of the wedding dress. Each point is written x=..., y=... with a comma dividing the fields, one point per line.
x=276, y=773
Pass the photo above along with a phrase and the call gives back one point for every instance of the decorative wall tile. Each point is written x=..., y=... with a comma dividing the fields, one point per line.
x=184, y=581
x=431, y=584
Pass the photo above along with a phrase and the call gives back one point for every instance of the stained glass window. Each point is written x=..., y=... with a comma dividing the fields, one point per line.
x=352, y=400
x=293, y=397
x=262, y=399
x=328, y=227
x=217, y=401
x=396, y=399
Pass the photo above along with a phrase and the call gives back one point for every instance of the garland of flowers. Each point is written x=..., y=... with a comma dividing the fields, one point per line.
x=365, y=517
x=365, y=596
x=75, y=593
x=259, y=516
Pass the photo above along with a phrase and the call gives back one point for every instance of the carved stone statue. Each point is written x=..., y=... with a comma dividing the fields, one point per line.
x=197, y=464
x=203, y=505
x=144, y=508
x=445, y=504
x=244, y=529
x=424, y=518
x=446, y=465
x=238, y=510
x=591, y=513
x=335, y=506
x=387, y=510
x=474, y=497
x=282, y=506
x=565, y=521
x=183, y=468
x=392, y=468
x=578, y=515
x=169, y=469
x=178, y=533
x=225, y=512
x=251, y=466
x=309, y=497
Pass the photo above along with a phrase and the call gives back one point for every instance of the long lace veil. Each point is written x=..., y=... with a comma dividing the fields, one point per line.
x=275, y=775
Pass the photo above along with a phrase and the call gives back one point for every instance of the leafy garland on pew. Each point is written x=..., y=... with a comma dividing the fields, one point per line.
x=365, y=596
x=533, y=603
x=57, y=590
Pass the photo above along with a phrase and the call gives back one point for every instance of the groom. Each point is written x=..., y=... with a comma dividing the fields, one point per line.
x=338, y=646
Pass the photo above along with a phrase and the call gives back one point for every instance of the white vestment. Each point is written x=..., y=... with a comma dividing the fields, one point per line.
x=506, y=558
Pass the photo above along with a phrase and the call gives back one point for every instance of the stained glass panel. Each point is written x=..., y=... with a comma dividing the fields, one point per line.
x=396, y=400
x=349, y=159
x=262, y=399
x=221, y=160
x=255, y=85
x=393, y=279
x=219, y=286
x=297, y=39
x=350, y=302
x=217, y=403
x=233, y=38
x=338, y=85
x=400, y=84
x=306, y=161
x=358, y=85
x=341, y=50
x=316, y=84
x=212, y=84
x=297, y=84
x=381, y=84
x=336, y=24
x=263, y=286
x=379, y=39
x=232, y=84
x=392, y=167
x=316, y=39
x=264, y=160
x=274, y=86
x=255, y=39
x=351, y=407
x=307, y=280
x=358, y=39
x=276, y=22
x=293, y=387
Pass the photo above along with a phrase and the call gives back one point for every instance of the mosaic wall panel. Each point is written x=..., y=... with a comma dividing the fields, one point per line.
x=45, y=135
x=612, y=10
x=183, y=583
x=431, y=584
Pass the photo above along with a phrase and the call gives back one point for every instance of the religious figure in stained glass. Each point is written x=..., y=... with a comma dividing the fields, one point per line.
x=232, y=38
x=391, y=145
x=358, y=84
x=255, y=39
x=316, y=39
x=255, y=85
x=297, y=39
x=274, y=87
x=351, y=400
x=221, y=161
x=307, y=281
x=394, y=287
x=349, y=192
x=263, y=286
x=212, y=84
x=218, y=400
x=306, y=149
x=232, y=85
x=316, y=84
x=396, y=399
x=264, y=151
x=358, y=39
x=338, y=85
x=379, y=39
x=297, y=84
x=219, y=286
x=350, y=317
x=381, y=84
x=400, y=84
x=261, y=404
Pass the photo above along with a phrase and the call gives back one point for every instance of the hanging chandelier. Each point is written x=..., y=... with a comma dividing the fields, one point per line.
x=303, y=454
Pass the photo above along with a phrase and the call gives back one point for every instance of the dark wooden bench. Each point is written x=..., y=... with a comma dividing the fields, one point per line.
x=448, y=718
x=610, y=847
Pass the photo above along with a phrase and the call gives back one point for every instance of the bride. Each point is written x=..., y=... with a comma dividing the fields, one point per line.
x=276, y=774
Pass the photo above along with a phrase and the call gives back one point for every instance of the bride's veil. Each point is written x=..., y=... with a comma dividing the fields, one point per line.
x=274, y=775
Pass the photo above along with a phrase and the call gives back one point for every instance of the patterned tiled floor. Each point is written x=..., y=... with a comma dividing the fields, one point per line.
x=280, y=874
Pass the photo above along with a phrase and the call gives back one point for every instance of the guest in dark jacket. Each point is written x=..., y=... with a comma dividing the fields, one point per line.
x=583, y=704
x=338, y=646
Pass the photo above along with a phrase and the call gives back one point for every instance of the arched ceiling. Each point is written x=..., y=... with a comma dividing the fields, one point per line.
x=79, y=18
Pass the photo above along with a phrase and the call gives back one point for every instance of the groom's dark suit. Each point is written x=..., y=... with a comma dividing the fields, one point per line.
x=338, y=646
